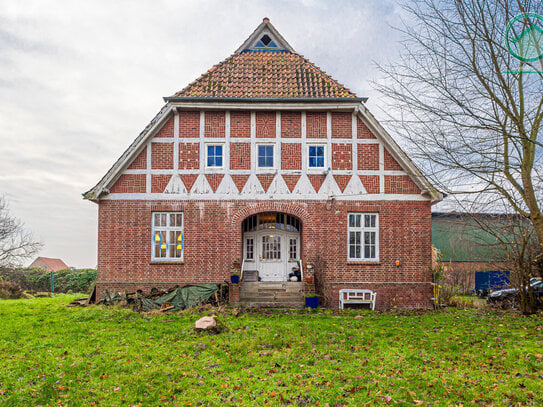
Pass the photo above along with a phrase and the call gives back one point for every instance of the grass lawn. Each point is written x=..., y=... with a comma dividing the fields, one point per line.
x=53, y=355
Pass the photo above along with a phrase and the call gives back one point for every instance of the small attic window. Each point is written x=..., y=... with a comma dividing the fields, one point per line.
x=266, y=42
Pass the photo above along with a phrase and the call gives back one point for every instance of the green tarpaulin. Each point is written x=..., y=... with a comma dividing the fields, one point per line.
x=188, y=296
x=180, y=298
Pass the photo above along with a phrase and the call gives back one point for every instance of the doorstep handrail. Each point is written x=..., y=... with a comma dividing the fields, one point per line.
x=241, y=271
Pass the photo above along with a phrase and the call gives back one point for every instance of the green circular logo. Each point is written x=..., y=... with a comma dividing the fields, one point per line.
x=524, y=37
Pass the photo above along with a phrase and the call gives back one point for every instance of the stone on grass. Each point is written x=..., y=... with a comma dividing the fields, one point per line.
x=205, y=323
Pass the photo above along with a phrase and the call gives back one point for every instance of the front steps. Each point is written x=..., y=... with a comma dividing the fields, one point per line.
x=272, y=295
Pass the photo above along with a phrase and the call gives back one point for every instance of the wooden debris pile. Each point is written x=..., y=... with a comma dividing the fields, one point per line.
x=175, y=298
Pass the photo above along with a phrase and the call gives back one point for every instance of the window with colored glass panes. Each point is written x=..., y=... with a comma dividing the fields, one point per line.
x=316, y=156
x=265, y=156
x=168, y=239
x=214, y=155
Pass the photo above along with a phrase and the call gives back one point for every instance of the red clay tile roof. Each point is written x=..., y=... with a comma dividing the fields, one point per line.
x=50, y=264
x=260, y=74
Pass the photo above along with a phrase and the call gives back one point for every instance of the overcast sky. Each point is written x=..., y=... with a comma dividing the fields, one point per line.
x=79, y=80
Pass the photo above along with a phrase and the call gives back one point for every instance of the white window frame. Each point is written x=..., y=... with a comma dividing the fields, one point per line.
x=215, y=167
x=274, y=165
x=167, y=229
x=363, y=229
x=325, y=163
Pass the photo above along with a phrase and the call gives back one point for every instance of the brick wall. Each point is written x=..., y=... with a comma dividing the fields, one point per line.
x=342, y=125
x=400, y=184
x=162, y=156
x=189, y=156
x=167, y=129
x=240, y=156
x=214, y=124
x=362, y=130
x=189, y=124
x=316, y=125
x=342, y=156
x=140, y=163
x=129, y=184
x=213, y=241
x=368, y=156
x=240, y=124
x=291, y=124
x=291, y=156
x=265, y=125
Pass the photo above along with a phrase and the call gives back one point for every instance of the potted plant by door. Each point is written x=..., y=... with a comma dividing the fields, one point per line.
x=311, y=300
x=234, y=278
x=235, y=271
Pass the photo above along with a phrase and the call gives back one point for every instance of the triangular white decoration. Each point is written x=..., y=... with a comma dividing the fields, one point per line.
x=175, y=186
x=278, y=186
x=252, y=186
x=355, y=187
x=303, y=186
x=329, y=186
x=201, y=186
x=227, y=186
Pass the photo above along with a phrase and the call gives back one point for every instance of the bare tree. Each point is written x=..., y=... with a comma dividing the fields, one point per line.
x=16, y=244
x=470, y=111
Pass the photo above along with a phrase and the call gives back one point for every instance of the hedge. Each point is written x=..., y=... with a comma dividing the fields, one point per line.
x=78, y=280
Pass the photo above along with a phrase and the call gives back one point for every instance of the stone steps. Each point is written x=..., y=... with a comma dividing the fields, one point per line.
x=270, y=294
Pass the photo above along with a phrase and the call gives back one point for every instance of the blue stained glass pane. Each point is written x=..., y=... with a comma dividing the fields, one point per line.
x=320, y=162
x=214, y=156
x=272, y=44
x=312, y=161
x=320, y=151
x=312, y=151
x=265, y=156
x=260, y=44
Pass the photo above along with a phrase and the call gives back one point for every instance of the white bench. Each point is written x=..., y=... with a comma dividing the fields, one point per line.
x=353, y=296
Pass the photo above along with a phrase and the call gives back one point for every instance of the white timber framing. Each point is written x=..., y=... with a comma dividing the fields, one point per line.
x=359, y=111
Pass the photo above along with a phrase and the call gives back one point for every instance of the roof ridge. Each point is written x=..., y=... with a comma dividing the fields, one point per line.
x=286, y=78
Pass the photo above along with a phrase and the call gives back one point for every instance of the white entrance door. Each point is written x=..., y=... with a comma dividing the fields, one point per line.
x=273, y=253
x=272, y=267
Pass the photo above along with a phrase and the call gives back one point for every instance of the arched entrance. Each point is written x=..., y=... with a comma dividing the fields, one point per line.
x=271, y=244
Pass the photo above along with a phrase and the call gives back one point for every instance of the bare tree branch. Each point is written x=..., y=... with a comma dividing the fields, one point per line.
x=15, y=243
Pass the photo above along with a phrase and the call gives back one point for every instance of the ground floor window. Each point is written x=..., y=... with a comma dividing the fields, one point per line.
x=363, y=236
x=167, y=242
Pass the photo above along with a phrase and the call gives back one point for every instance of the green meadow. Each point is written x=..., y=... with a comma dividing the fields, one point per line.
x=54, y=355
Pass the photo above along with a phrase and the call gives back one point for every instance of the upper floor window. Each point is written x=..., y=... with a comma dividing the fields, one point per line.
x=316, y=156
x=167, y=236
x=215, y=155
x=363, y=236
x=265, y=156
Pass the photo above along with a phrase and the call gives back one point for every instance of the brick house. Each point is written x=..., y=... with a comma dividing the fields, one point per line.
x=268, y=160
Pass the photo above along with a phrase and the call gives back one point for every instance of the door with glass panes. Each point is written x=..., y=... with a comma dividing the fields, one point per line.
x=273, y=254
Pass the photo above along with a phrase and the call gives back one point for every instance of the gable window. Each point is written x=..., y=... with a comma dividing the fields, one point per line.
x=266, y=42
x=214, y=155
x=363, y=236
x=168, y=236
x=316, y=156
x=265, y=156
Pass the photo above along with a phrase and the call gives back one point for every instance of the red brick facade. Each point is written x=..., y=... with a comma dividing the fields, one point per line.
x=213, y=239
x=212, y=230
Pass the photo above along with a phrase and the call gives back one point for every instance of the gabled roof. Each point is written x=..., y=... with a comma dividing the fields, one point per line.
x=51, y=264
x=265, y=66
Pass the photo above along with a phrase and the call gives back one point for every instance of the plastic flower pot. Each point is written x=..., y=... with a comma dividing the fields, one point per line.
x=311, y=302
x=234, y=279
